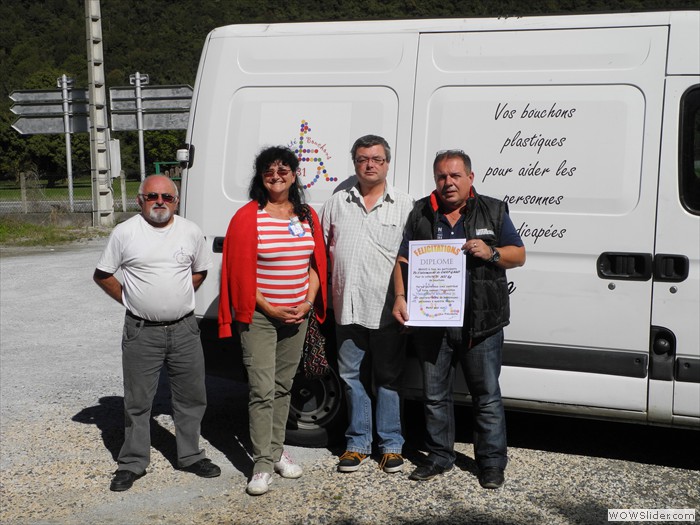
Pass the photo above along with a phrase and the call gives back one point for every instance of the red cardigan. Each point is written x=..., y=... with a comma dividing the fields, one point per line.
x=239, y=269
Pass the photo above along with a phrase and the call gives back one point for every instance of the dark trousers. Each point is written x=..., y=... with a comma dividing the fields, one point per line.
x=145, y=350
x=481, y=364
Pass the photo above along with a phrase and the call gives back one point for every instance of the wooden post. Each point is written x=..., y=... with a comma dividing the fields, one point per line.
x=23, y=191
x=122, y=180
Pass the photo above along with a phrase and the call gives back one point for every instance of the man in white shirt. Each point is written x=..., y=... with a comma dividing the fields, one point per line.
x=363, y=228
x=163, y=260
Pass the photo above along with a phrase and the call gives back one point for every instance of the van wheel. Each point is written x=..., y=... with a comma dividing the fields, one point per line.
x=315, y=415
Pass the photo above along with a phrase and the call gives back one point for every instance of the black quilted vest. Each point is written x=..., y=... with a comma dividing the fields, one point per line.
x=489, y=307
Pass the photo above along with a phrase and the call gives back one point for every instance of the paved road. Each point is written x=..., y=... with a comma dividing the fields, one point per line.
x=61, y=428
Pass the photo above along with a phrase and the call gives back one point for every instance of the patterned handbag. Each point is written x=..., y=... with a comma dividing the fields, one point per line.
x=314, y=353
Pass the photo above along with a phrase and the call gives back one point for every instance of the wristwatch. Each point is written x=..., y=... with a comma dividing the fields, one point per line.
x=495, y=255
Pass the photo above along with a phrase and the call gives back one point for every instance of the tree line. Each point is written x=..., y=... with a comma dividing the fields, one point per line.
x=40, y=41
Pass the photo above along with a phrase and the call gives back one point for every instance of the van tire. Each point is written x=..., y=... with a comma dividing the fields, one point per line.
x=316, y=411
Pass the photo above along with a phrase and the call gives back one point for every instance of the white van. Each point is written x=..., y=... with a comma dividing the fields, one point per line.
x=587, y=126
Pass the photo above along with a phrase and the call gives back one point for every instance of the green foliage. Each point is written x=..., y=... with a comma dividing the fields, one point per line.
x=40, y=41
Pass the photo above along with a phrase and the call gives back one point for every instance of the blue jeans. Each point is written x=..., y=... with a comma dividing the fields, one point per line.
x=365, y=357
x=438, y=356
x=145, y=350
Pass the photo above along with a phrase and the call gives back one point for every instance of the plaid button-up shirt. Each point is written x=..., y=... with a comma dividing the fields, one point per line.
x=362, y=245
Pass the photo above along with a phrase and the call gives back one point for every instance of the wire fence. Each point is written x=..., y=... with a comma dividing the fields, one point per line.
x=30, y=193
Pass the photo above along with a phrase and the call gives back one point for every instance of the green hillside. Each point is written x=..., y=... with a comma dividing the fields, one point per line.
x=41, y=40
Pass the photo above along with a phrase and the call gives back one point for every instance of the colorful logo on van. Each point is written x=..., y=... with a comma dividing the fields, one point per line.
x=311, y=151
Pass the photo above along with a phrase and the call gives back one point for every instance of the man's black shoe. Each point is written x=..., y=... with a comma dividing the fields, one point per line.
x=123, y=480
x=491, y=477
x=204, y=468
x=424, y=473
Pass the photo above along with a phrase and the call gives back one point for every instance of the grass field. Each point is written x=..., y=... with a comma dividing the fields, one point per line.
x=15, y=232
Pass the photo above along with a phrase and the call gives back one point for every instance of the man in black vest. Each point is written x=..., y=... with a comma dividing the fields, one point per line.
x=492, y=245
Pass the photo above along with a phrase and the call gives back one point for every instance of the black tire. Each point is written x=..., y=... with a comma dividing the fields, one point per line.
x=316, y=413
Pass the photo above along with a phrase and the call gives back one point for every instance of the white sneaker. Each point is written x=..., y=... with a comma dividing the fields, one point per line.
x=259, y=484
x=286, y=467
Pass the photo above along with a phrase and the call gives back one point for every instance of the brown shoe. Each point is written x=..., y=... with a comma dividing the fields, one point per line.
x=391, y=463
x=351, y=461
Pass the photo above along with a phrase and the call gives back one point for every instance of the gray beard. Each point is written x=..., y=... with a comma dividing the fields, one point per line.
x=160, y=215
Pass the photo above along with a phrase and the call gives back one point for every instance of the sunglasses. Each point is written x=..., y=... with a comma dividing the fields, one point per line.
x=282, y=172
x=152, y=197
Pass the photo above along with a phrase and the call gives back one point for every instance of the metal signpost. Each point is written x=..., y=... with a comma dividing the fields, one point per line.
x=53, y=111
x=69, y=110
x=63, y=82
x=41, y=111
x=144, y=107
x=137, y=81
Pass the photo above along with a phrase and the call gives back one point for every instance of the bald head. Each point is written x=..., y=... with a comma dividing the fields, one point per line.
x=158, y=198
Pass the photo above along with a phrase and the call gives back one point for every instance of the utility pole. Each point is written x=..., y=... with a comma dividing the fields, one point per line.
x=102, y=199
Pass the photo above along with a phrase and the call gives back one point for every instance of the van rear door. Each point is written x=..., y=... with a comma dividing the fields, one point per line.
x=674, y=389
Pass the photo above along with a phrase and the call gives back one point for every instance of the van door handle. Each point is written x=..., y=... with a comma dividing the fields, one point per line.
x=626, y=266
x=670, y=268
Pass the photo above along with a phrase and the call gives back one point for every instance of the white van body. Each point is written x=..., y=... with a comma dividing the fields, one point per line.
x=575, y=121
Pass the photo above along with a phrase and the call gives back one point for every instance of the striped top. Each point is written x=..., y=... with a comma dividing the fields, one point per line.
x=283, y=261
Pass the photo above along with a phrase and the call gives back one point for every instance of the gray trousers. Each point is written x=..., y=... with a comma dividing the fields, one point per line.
x=271, y=354
x=145, y=349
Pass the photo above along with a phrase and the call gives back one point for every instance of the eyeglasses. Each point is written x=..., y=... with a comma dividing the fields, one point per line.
x=450, y=152
x=282, y=172
x=379, y=161
x=153, y=196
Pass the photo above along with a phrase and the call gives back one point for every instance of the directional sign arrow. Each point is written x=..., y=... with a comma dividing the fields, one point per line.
x=151, y=121
x=28, y=125
x=148, y=104
x=163, y=107
x=150, y=92
x=80, y=108
x=33, y=96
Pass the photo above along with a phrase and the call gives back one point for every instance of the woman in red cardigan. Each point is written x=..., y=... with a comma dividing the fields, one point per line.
x=273, y=276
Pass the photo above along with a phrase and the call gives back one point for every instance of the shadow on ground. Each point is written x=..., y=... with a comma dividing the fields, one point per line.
x=645, y=444
x=225, y=424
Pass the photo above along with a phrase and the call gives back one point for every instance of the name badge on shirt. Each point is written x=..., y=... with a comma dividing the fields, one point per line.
x=295, y=227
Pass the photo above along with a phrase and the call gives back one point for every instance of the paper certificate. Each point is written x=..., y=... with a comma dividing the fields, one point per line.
x=436, y=283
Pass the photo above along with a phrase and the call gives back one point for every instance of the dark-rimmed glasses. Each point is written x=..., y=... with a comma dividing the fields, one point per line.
x=379, y=161
x=153, y=197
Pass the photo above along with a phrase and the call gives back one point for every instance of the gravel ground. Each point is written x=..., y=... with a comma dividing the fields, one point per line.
x=61, y=429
